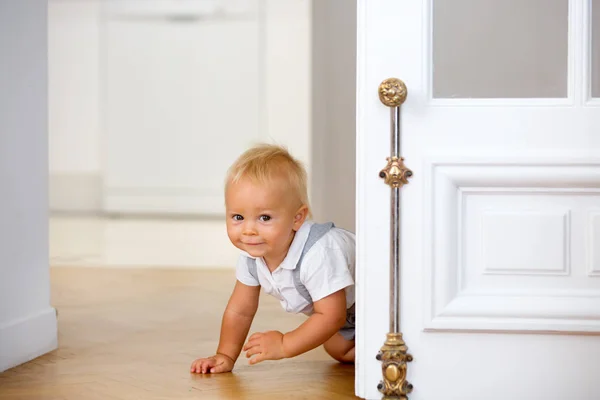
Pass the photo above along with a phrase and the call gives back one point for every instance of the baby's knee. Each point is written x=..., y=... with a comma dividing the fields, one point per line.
x=340, y=349
x=345, y=357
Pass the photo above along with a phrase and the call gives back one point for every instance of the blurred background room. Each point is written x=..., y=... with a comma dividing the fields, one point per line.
x=150, y=101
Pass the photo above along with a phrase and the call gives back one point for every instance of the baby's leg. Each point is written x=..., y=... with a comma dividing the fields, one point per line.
x=340, y=348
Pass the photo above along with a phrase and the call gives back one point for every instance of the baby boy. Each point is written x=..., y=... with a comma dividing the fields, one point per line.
x=308, y=267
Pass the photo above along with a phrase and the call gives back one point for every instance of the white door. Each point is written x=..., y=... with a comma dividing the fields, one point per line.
x=188, y=86
x=168, y=101
x=500, y=248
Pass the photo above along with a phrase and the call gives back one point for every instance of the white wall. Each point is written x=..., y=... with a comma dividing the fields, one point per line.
x=333, y=110
x=27, y=322
x=79, y=164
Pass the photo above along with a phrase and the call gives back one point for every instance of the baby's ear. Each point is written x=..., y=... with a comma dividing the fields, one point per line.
x=300, y=217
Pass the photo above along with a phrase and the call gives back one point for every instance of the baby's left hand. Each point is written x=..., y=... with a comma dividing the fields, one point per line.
x=266, y=345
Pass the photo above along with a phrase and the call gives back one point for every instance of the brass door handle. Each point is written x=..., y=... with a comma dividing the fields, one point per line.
x=393, y=354
x=392, y=93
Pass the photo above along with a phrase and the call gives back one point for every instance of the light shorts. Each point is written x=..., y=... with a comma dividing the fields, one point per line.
x=348, y=331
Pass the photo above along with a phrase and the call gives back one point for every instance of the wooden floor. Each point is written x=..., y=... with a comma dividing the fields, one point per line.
x=132, y=334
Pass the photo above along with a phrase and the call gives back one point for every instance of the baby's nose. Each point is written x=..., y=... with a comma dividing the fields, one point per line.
x=249, y=229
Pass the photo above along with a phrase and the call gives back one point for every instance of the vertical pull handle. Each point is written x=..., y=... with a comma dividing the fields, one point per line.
x=393, y=354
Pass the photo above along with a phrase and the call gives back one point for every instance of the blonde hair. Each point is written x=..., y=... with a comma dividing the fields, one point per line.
x=267, y=162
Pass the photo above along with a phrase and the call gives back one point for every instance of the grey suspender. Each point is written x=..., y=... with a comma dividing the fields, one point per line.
x=316, y=232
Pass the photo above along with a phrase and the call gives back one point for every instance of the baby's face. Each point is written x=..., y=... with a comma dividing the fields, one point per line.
x=262, y=218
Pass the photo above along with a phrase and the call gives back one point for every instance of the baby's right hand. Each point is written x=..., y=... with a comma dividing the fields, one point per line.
x=213, y=365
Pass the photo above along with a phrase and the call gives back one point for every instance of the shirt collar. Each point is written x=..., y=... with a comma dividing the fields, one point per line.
x=295, y=251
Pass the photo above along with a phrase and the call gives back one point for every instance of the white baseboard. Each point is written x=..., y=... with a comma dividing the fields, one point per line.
x=77, y=192
x=24, y=339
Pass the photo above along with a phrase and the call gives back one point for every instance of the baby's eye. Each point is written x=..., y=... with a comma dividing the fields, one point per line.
x=237, y=217
x=265, y=218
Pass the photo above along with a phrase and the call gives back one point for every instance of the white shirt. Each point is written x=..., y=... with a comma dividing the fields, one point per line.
x=326, y=268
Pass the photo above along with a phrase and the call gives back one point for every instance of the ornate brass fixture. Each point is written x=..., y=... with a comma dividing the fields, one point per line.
x=392, y=92
x=393, y=354
x=395, y=173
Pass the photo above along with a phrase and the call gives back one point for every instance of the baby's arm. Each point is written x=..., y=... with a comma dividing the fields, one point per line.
x=329, y=316
x=237, y=319
x=235, y=325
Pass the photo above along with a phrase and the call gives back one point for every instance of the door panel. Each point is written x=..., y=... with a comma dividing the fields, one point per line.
x=500, y=221
x=509, y=246
x=595, y=45
x=492, y=49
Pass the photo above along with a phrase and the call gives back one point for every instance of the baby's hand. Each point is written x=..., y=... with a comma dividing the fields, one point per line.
x=268, y=346
x=214, y=365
